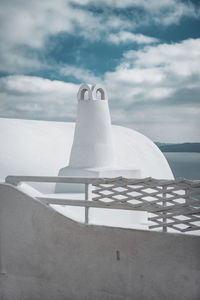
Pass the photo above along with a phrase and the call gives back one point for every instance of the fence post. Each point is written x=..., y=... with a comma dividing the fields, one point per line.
x=164, y=205
x=88, y=197
x=187, y=198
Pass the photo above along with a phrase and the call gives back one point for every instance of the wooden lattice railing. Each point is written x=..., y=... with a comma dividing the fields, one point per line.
x=172, y=204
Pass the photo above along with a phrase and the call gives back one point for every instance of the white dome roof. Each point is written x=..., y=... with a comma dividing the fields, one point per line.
x=134, y=150
x=42, y=148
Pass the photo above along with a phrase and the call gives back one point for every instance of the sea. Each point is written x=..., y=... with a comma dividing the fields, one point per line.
x=184, y=164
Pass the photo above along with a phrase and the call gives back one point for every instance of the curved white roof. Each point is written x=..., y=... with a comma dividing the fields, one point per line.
x=134, y=150
x=42, y=148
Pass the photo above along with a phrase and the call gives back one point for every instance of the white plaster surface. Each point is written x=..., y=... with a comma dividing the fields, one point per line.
x=93, y=141
x=92, y=153
x=42, y=148
x=44, y=255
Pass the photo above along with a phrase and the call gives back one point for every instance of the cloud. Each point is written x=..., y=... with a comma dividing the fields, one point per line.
x=26, y=26
x=156, y=90
x=37, y=98
x=158, y=71
x=165, y=12
x=129, y=37
x=82, y=75
x=178, y=58
x=160, y=123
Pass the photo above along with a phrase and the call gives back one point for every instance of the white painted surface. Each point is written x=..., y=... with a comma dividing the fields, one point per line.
x=92, y=146
x=42, y=148
x=92, y=151
x=34, y=148
x=44, y=255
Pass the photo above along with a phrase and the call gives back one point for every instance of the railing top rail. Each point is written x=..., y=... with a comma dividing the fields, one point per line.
x=16, y=180
x=173, y=203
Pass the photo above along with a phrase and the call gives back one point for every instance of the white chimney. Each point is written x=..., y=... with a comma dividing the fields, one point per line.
x=92, y=153
x=92, y=145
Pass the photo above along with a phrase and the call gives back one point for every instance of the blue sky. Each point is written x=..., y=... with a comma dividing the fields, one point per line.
x=146, y=53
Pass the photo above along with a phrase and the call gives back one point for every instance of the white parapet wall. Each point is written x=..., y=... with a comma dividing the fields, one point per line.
x=44, y=255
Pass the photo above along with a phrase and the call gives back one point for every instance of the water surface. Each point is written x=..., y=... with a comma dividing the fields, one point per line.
x=184, y=164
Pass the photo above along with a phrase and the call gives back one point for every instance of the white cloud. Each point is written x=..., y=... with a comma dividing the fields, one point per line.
x=164, y=67
x=156, y=90
x=16, y=60
x=153, y=98
x=184, y=53
x=29, y=24
x=152, y=89
x=79, y=73
x=31, y=85
x=37, y=98
x=127, y=75
x=129, y=37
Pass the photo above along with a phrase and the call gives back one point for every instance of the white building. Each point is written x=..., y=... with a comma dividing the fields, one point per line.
x=50, y=244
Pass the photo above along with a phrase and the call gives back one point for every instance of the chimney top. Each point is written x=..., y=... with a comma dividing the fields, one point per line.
x=92, y=92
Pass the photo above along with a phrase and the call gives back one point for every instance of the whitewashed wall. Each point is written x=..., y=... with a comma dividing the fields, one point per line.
x=44, y=255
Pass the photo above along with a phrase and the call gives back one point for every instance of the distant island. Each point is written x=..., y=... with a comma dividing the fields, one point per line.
x=184, y=147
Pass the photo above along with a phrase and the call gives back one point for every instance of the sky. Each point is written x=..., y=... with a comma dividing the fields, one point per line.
x=145, y=52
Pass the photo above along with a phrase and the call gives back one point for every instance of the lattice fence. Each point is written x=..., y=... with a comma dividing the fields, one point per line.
x=173, y=204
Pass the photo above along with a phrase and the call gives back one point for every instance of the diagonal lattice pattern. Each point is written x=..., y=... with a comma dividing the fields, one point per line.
x=173, y=204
